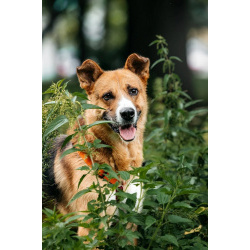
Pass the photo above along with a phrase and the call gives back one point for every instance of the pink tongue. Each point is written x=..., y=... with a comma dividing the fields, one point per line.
x=127, y=133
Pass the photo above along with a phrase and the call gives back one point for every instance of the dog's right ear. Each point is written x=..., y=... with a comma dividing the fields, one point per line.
x=87, y=74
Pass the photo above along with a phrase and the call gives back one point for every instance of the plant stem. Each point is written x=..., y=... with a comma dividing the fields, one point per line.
x=162, y=218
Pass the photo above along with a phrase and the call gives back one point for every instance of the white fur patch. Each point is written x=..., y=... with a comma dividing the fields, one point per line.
x=125, y=103
x=137, y=188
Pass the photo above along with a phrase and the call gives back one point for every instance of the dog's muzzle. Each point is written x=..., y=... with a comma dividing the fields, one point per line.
x=128, y=125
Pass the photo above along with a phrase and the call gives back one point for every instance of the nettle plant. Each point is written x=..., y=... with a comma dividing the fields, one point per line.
x=174, y=177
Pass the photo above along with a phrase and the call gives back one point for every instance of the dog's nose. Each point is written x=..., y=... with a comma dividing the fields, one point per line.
x=127, y=113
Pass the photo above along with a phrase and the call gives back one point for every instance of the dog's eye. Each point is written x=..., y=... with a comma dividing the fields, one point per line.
x=133, y=92
x=108, y=96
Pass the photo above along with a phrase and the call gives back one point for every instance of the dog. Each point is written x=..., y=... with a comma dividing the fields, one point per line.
x=122, y=95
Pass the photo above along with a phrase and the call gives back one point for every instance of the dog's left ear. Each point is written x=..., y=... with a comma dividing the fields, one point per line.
x=138, y=65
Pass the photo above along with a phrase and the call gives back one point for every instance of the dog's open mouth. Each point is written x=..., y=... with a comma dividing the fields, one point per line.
x=127, y=132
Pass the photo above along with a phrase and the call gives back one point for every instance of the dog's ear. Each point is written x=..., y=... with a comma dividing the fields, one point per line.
x=138, y=65
x=87, y=74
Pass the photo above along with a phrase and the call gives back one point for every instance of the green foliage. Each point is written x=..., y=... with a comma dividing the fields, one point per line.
x=174, y=178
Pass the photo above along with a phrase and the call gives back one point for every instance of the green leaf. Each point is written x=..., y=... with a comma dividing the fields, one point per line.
x=154, y=42
x=200, y=210
x=149, y=221
x=126, y=195
x=97, y=123
x=178, y=219
x=80, y=181
x=137, y=219
x=59, y=83
x=200, y=111
x=170, y=238
x=184, y=94
x=75, y=217
x=150, y=203
x=97, y=144
x=123, y=206
x=181, y=204
x=52, y=102
x=80, y=95
x=140, y=180
x=55, y=124
x=67, y=139
x=69, y=151
x=90, y=106
x=83, y=168
x=154, y=133
x=124, y=175
x=188, y=191
x=158, y=61
x=192, y=103
x=175, y=58
x=78, y=195
x=162, y=198
x=165, y=80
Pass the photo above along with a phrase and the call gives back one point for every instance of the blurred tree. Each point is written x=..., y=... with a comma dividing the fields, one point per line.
x=168, y=18
x=57, y=8
x=123, y=27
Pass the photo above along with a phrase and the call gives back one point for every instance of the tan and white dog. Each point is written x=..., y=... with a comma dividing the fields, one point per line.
x=122, y=94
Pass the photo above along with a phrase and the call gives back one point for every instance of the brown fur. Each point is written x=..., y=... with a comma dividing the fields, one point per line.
x=123, y=154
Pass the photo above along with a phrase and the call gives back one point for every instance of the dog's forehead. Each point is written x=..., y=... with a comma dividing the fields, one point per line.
x=121, y=78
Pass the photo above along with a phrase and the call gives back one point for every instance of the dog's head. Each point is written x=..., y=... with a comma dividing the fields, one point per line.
x=122, y=93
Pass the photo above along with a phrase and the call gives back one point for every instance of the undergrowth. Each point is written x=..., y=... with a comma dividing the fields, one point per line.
x=174, y=178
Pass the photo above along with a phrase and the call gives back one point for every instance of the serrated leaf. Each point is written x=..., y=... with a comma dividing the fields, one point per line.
x=149, y=221
x=154, y=42
x=55, y=124
x=153, y=134
x=140, y=180
x=67, y=139
x=48, y=212
x=78, y=195
x=156, y=62
x=184, y=94
x=162, y=198
x=124, y=175
x=126, y=195
x=69, y=151
x=188, y=191
x=90, y=106
x=136, y=219
x=178, y=219
x=150, y=203
x=192, y=103
x=181, y=204
x=165, y=80
x=153, y=191
x=80, y=95
x=83, y=168
x=124, y=206
x=97, y=123
x=175, y=58
x=75, y=217
x=102, y=146
x=170, y=238
x=59, y=83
